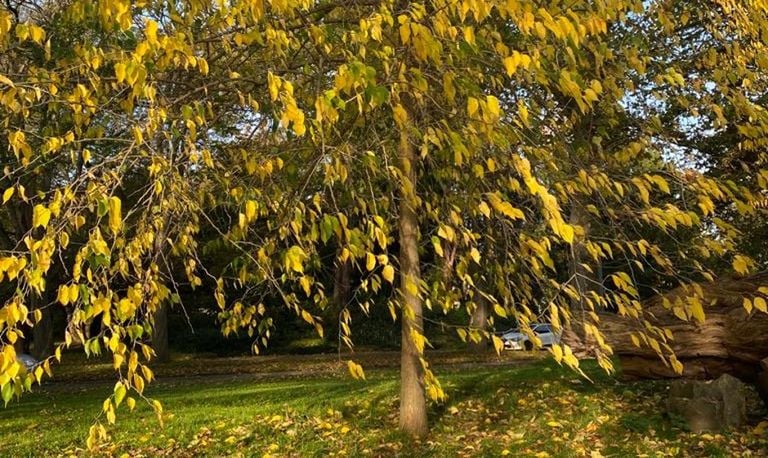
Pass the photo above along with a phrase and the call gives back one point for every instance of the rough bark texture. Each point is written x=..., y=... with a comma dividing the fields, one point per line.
x=413, y=404
x=730, y=341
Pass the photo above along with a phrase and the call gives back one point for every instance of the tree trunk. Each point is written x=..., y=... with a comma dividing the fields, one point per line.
x=730, y=340
x=160, y=320
x=42, y=331
x=413, y=404
x=479, y=321
x=587, y=282
x=160, y=334
x=342, y=284
x=19, y=346
x=342, y=292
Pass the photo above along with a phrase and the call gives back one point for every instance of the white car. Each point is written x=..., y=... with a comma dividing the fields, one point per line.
x=28, y=361
x=516, y=340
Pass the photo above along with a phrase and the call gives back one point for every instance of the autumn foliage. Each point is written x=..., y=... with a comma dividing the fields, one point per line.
x=458, y=154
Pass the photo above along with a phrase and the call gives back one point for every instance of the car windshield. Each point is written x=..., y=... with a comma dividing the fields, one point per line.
x=542, y=328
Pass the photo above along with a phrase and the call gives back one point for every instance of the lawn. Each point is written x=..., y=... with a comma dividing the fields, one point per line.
x=531, y=409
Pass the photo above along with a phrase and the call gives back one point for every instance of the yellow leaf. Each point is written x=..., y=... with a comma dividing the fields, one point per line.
x=36, y=33
x=677, y=366
x=405, y=33
x=401, y=116
x=492, y=104
x=741, y=265
x=5, y=80
x=563, y=229
x=355, y=370
x=557, y=352
x=505, y=208
x=120, y=71
x=370, y=261
x=484, y=209
x=747, y=305
x=472, y=106
x=151, y=31
x=498, y=344
x=274, y=84
x=74, y=292
x=696, y=309
x=250, y=210
x=294, y=259
x=63, y=296
x=8, y=194
x=760, y=304
x=120, y=392
x=115, y=214
x=388, y=273
x=469, y=34
x=40, y=216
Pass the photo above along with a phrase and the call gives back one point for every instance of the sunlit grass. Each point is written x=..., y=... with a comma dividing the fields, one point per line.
x=538, y=408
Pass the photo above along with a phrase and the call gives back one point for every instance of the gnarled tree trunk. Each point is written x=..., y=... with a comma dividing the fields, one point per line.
x=730, y=340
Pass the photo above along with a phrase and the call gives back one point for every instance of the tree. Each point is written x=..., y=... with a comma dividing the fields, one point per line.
x=478, y=125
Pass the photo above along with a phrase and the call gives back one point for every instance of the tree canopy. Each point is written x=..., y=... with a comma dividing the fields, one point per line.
x=455, y=153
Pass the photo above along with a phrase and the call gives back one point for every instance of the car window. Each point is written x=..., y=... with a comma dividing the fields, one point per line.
x=542, y=328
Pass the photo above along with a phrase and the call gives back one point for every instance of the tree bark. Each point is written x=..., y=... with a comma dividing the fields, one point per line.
x=19, y=345
x=342, y=292
x=342, y=284
x=588, y=284
x=160, y=334
x=42, y=331
x=730, y=340
x=479, y=321
x=413, y=404
x=160, y=319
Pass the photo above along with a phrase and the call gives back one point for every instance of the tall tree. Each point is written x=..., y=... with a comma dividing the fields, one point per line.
x=478, y=123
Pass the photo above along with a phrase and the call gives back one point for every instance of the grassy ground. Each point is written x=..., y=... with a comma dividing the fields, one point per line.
x=534, y=409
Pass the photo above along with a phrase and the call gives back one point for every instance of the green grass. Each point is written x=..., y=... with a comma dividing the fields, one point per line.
x=538, y=408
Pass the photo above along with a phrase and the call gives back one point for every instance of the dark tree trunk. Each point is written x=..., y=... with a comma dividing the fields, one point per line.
x=342, y=285
x=342, y=294
x=42, y=332
x=160, y=318
x=160, y=334
x=20, y=346
x=413, y=404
